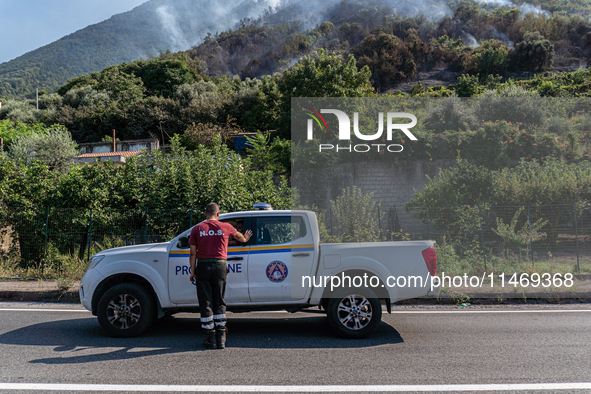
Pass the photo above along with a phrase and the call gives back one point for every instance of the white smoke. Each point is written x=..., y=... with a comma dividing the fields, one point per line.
x=503, y=37
x=293, y=61
x=218, y=16
x=471, y=41
x=534, y=9
x=525, y=8
x=433, y=10
x=171, y=26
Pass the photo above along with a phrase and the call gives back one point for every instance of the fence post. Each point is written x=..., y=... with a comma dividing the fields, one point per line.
x=531, y=243
x=577, y=238
x=46, y=234
x=428, y=224
x=146, y=227
x=482, y=235
x=191, y=217
x=89, y=234
x=380, y=223
x=330, y=214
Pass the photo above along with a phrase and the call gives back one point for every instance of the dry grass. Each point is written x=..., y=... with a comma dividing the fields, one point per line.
x=60, y=267
x=5, y=239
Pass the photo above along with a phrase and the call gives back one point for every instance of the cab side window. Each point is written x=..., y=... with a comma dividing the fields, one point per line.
x=238, y=224
x=273, y=230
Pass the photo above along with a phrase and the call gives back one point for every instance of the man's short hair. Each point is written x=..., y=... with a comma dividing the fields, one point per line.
x=212, y=208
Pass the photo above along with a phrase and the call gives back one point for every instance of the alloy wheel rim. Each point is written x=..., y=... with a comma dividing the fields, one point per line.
x=124, y=311
x=354, y=312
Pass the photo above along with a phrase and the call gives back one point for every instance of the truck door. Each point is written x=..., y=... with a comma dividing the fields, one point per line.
x=182, y=291
x=279, y=255
x=237, y=285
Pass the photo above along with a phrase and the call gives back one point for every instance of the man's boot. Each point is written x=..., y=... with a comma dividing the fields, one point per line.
x=220, y=336
x=210, y=340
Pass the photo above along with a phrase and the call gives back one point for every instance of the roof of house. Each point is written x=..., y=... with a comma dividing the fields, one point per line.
x=124, y=153
x=110, y=143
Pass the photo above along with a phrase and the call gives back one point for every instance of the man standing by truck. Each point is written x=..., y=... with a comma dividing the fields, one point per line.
x=209, y=251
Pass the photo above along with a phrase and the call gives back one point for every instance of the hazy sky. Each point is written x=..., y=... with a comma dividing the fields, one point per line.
x=26, y=25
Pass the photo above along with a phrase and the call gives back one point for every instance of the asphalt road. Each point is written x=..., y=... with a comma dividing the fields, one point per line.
x=432, y=347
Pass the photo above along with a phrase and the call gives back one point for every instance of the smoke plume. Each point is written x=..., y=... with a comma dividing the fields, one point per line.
x=171, y=27
x=525, y=8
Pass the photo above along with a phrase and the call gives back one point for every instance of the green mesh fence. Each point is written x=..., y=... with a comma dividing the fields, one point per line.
x=28, y=234
x=515, y=238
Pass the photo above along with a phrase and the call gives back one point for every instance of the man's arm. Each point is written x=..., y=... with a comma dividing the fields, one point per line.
x=192, y=261
x=243, y=237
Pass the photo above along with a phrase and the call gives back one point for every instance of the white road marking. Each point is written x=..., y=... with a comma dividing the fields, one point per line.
x=42, y=310
x=146, y=349
x=502, y=311
x=292, y=389
x=393, y=312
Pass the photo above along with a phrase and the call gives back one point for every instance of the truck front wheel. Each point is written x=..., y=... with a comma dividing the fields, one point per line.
x=354, y=313
x=126, y=310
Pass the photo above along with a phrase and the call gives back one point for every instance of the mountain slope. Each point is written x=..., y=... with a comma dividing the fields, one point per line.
x=154, y=27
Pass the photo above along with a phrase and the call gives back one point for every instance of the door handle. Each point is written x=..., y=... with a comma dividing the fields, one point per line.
x=300, y=255
x=235, y=258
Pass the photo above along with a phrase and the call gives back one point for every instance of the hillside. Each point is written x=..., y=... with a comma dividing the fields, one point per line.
x=154, y=27
x=269, y=40
x=405, y=42
x=243, y=79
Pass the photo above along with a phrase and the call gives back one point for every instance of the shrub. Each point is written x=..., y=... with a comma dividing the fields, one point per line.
x=512, y=104
x=490, y=58
x=450, y=113
x=267, y=155
x=467, y=85
x=198, y=90
x=355, y=216
x=55, y=147
x=86, y=97
x=533, y=54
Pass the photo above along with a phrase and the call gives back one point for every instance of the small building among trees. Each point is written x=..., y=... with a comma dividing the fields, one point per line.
x=116, y=152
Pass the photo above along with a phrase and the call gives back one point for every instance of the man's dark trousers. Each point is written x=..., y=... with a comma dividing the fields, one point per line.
x=211, y=289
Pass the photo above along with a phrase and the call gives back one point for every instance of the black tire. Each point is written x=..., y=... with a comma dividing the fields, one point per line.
x=126, y=310
x=354, y=313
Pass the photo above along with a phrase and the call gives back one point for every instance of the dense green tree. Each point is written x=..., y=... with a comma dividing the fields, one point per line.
x=10, y=130
x=533, y=54
x=54, y=147
x=491, y=58
x=550, y=188
x=321, y=75
x=23, y=111
x=86, y=97
x=326, y=75
x=467, y=85
x=81, y=81
x=123, y=87
x=162, y=76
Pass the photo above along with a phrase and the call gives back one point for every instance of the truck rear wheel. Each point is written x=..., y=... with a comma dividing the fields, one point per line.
x=126, y=310
x=354, y=313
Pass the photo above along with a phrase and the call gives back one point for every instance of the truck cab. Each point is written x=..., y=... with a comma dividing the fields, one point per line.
x=260, y=271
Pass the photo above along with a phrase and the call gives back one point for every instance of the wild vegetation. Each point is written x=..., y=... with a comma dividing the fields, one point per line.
x=246, y=76
x=174, y=187
x=496, y=61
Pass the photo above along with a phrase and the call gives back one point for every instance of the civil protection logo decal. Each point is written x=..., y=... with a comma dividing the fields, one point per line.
x=276, y=271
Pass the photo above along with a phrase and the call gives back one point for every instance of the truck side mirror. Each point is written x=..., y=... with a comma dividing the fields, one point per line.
x=183, y=243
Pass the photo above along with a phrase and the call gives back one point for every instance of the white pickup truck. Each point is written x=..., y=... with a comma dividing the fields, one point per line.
x=282, y=267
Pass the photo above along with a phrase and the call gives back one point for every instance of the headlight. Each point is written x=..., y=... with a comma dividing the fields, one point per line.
x=94, y=260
